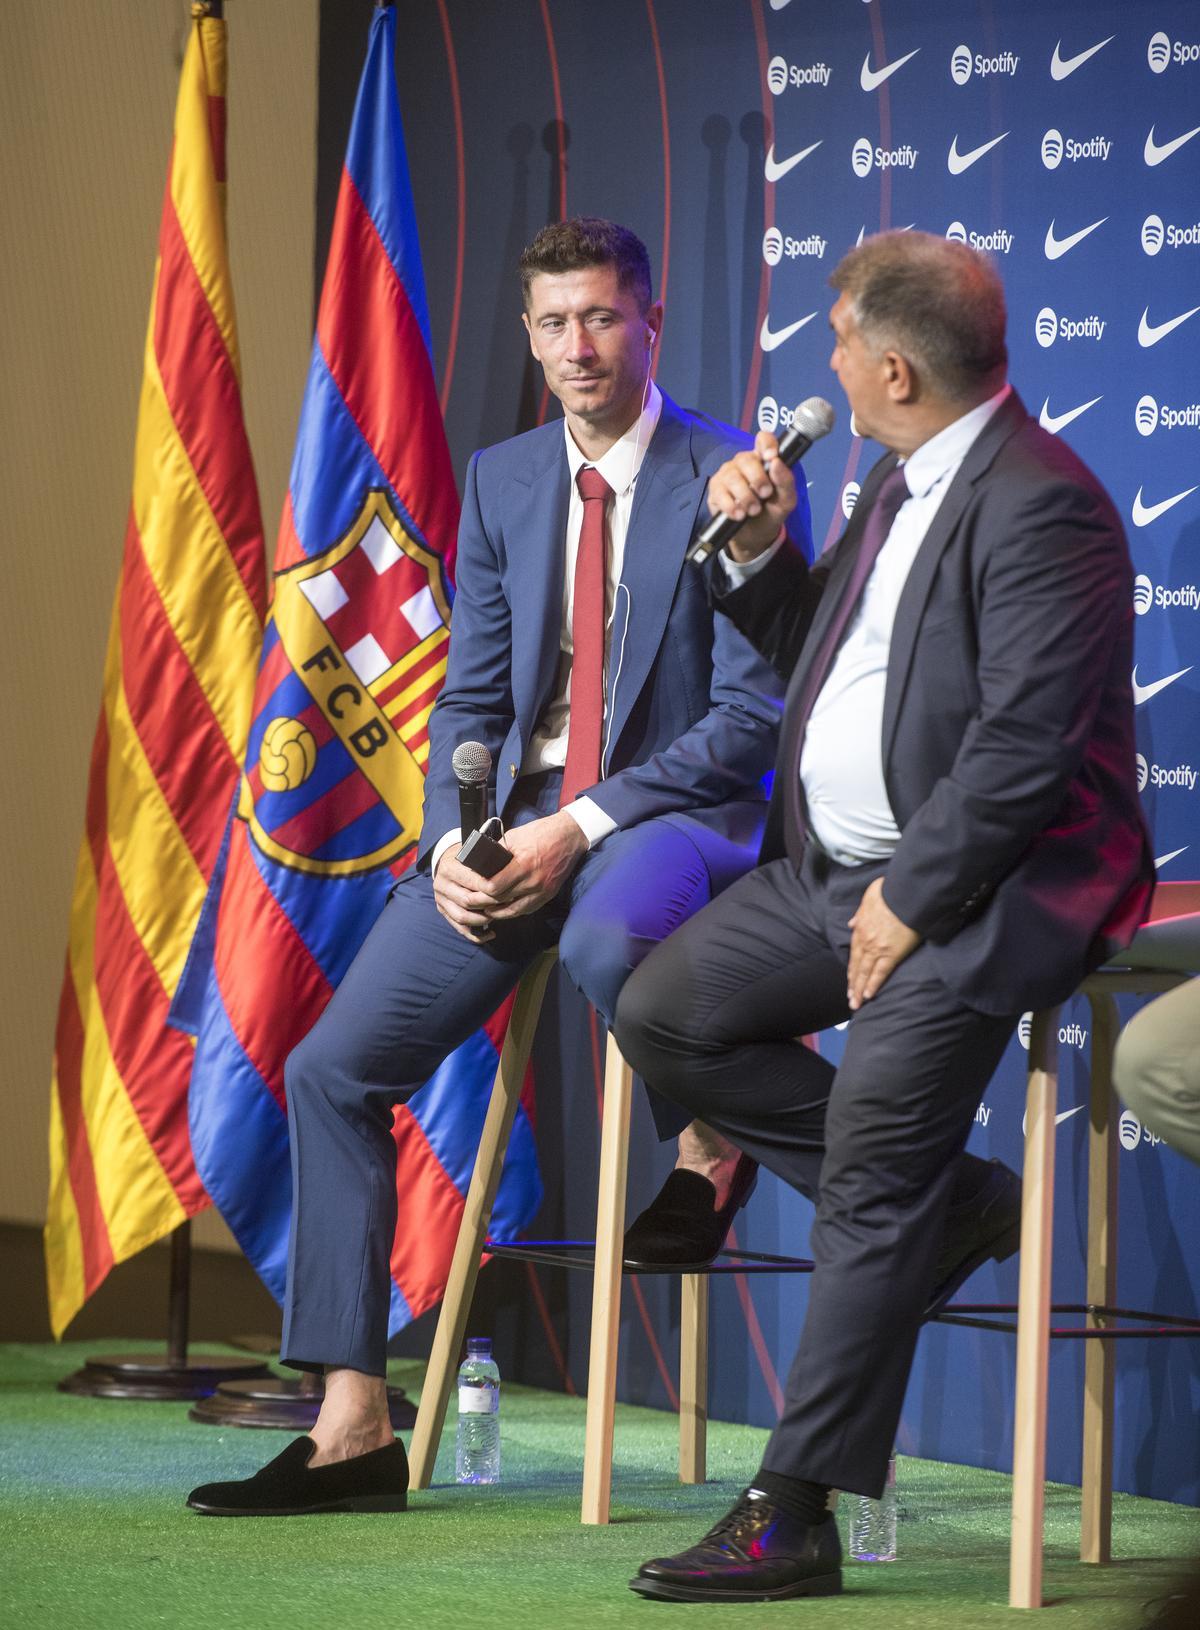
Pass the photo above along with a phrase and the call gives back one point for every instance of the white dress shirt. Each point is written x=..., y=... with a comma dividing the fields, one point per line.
x=841, y=764
x=620, y=466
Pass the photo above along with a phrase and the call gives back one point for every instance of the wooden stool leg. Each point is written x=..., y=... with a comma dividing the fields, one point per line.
x=1095, y=1536
x=693, y=1377
x=606, y=1288
x=477, y=1214
x=1033, y=1316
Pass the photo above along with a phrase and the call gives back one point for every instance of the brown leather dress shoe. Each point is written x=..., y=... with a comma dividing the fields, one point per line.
x=756, y=1553
x=987, y=1227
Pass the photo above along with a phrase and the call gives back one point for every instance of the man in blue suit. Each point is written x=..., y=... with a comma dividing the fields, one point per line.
x=630, y=732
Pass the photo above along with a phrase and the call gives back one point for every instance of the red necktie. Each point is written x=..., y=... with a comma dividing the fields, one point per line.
x=586, y=727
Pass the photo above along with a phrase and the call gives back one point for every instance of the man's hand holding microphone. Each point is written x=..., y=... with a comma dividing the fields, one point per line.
x=543, y=853
x=756, y=489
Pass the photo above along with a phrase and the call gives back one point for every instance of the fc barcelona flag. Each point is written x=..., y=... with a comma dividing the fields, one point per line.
x=178, y=683
x=329, y=807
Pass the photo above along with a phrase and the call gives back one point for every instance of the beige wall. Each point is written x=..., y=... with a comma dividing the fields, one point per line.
x=87, y=92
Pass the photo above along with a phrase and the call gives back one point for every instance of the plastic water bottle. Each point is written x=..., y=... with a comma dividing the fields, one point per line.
x=873, y=1523
x=477, y=1448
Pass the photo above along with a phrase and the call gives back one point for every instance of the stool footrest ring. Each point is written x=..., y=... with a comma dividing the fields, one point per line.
x=1166, y=1325
x=580, y=1253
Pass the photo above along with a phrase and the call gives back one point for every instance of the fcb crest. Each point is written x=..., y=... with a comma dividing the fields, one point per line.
x=353, y=659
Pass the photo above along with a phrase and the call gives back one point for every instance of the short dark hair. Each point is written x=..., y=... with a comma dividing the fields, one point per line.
x=588, y=240
x=937, y=302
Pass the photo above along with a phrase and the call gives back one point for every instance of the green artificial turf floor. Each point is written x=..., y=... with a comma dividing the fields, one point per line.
x=94, y=1532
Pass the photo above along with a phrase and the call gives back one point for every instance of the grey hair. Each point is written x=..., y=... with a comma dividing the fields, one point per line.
x=938, y=303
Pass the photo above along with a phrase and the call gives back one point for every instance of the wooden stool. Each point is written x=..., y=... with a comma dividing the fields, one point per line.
x=606, y=1288
x=1165, y=951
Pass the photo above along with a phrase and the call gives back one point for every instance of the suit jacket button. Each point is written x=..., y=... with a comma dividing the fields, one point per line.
x=512, y=770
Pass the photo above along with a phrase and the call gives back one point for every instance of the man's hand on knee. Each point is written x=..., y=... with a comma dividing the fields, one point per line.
x=545, y=853
x=466, y=900
x=879, y=944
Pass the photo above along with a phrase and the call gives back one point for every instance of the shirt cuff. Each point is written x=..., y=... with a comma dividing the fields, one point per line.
x=591, y=820
x=452, y=840
x=738, y=572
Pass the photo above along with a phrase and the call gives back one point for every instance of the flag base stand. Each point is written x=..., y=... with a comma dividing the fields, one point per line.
x=141, y=1375
x=178, y=1374
x=291, y=1406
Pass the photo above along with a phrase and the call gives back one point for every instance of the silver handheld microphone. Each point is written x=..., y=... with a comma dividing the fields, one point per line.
x=811, y=420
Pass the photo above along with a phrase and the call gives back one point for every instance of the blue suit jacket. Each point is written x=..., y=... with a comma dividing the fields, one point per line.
x=693, y=710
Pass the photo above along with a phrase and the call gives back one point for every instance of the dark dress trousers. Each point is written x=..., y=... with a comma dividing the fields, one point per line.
x=1023, y=861
x=691, y=725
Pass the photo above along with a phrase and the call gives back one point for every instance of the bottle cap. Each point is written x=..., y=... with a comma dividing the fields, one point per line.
x=479, y=1346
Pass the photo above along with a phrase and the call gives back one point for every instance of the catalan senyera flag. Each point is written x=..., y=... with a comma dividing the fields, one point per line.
x=178, y=685
x=330, y=804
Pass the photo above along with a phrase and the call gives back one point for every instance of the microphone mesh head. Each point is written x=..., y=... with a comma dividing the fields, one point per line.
x=471, y=761
x=814, y=418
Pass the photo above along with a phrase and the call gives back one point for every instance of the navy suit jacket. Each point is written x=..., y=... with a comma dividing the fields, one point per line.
x=693, y=711
x=1008, y=743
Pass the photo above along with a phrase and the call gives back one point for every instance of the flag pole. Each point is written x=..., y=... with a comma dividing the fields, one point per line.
x=177, y=1375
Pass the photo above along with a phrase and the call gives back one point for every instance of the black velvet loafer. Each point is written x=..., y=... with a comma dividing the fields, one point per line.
x=285, y=1487
x=987, y=1226
x=756, y=1553
x=679, y=1231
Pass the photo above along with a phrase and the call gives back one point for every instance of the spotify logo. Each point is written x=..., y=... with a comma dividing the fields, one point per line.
x=1052, y=149
x=1145, y=416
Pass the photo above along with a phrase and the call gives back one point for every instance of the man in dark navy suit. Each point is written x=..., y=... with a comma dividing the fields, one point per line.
x=630, y=732
x=954, y=838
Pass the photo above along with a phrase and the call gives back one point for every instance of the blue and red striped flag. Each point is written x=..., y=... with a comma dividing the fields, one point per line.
x=329, y=809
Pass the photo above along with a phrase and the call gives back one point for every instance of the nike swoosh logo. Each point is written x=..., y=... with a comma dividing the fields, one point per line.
x=1056, y=247
x=1059, y=69
x=957, y=162
x=1143, y=514
x=1054, y=422
x=774, y=171
x=1157, y=152
x=770, y=341
x=1143, y=693
x=1161, y=860
x=780, y=5
x=872, y=78
x=1150, y=333
x=1058, y=1119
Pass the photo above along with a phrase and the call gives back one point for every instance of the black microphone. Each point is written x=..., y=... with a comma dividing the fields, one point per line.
x=471, y=762
x=811, y=420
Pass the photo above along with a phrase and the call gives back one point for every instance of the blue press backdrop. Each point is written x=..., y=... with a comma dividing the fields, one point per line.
x=750, y=144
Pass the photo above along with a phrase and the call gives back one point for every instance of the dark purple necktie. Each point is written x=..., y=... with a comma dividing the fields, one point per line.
x=893, y=490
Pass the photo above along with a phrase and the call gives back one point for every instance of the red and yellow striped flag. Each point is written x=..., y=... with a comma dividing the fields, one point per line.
x=178, y=685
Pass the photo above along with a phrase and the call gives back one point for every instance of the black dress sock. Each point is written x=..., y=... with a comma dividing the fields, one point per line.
x=796, y=1495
